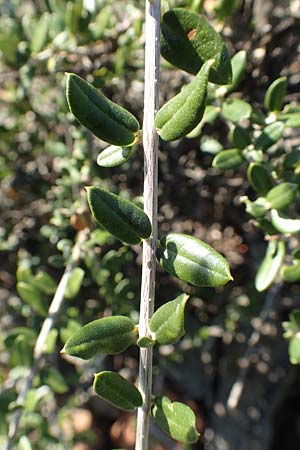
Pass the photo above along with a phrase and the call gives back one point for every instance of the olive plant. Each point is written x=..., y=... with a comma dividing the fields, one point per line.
x=190, y=43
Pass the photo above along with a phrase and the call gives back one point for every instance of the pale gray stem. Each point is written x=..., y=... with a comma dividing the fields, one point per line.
x=150, y=143
x=41, y=340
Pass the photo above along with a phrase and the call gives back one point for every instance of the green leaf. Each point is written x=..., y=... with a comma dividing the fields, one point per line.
x=210, y=114
x=109, y=335
x=188, y=41
x=240, y=137
x=235, y=109
x=114, y=156
x=210, y=145
x=283, y=223
x=259, y=178
x=282, y=195
x=54, y=379
x=40, y=33
x=146, y=342
x=275, y=94
x=291, y=274
x=116, y=390
x=193, y=261
x=228, y=159
x=291, y=120
x=258, y=208
x=74, y=282
x=239, y=65
x=176, y=419
x=168, y=321
x=33, y=297
x=294, y=350
x=180, y=115
x=45, y=283
x=226, y=8
x=270, y=265
x=24, y=443
x=122, y=218
x=105, y=119
x=269, y=136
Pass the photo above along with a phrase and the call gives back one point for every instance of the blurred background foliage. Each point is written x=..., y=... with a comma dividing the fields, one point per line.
x=233, y=364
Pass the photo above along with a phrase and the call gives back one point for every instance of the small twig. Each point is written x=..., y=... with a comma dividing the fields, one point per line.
x=238, y=386
x=150, y=144
x=42, y=337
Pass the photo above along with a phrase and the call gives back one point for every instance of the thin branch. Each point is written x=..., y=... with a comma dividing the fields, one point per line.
x=42, y=337
x=150, y=143
x=239, y=385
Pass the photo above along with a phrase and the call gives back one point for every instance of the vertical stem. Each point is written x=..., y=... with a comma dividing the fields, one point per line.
x=150, y=143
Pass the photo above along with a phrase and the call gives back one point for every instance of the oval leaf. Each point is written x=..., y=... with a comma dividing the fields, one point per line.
x=282, y=195
x=168, y=321
x=104, y=118
x=180, y=115
x=275, y=94
x=236, y=110
x=176, y=419
x=269, y=135
x=193, y=261
x=45, y=283
x=283, y=224
x=119, y=216
x=270, y=265
x=188, y=41
x=114, y=156
x=33, y=297
x=116, y=390
x=109, y=335
x=228, y=159
x=74, y=282
x=259, y=178
x=240, y=137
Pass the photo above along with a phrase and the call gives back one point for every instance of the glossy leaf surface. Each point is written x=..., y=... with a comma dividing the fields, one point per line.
x=114, y=156
x=259, y=178
x=120, y=217
x=269, y=136
x=240, y=137
x=229, y=159
x=176, y=419
x=168, y=321
x=109, y=335
x=188, y=41
x=193, y=261
x=116, y=390
x=104, y=118
x=238, y=64
x=180, y=115
x=291, y=274
x=283, y=223
x=282, y=195
x=258, y=208
x=275, y=94
x=270, y=265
